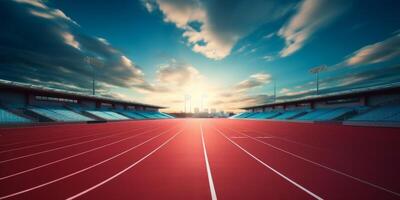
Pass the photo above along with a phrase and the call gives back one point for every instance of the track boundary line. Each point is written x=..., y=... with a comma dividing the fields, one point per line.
x=269, y=167
x=321, y=165
x=63, y=140
x=209, y=175
x=82, y=170
x=75, y=155
x=282, y=139
x=124, y=170
x=62, y=147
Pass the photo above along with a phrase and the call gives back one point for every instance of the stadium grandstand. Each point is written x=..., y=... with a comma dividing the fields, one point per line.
x=378, y=105
x=23, y=103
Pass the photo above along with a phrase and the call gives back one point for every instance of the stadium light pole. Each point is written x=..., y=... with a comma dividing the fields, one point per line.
x=92, y=62
x=274, y=90
x=316, y=71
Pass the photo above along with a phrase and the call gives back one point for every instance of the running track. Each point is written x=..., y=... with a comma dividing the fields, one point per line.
x=199, y=159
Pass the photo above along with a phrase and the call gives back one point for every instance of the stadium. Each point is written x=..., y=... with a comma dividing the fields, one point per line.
x=161, y=107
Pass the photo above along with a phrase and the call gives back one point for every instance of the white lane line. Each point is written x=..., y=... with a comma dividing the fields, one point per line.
x=62, y=147
x=238, y=137
x=283, y=139
x=61, y=140
x=75, y=155
x=210, y=179
x=122, y=171
x=269, y=167
x=82, y=170
x=321, y=165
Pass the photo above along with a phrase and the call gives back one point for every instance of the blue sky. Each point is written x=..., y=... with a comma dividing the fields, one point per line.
x=224, y=53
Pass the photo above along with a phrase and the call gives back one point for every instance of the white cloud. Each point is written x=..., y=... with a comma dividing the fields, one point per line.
x=310, y=17
x=35, y=3
x=270, y=35
x=284, y=91
x=242, y=48
x=375, y=53
x=70, y=40
x=221, y=24
x=177, y=73
x=149, y=5
x=268, y=58
x=253, y=81
x=41, y=10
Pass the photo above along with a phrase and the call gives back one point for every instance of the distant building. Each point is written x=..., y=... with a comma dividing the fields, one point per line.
x=196, y=110
x=213, y=110
x=205, y=110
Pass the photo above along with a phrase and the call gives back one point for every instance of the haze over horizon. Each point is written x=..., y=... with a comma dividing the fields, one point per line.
x=226, y=54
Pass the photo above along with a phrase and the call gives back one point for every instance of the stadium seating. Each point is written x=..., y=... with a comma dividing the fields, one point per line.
x=8, y=117
x=135, y=114
x=132, y=114
x=152, y=115
x=314, y=114
x=263, y=115
x=59, y=114
x=334, y=114
x=107, y=115
x=383, y=113
x=289, y=114
x=322, y=114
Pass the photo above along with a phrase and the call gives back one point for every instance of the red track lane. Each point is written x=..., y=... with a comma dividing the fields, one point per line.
x=177, y=171
x=16, y=166
x=63, y=188
x=174, y=159
x=238, y=176
x=29, y=136
x=365, y=152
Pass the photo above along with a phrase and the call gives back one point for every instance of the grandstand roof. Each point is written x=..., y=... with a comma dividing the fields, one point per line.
x=65, y=93
x=381, y=89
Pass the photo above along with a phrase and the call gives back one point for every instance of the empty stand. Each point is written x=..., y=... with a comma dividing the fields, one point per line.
x=290, y=114
x=59, y=114
x=8, y=117
x=382, y=113
x=107, y=115
x=334, y=114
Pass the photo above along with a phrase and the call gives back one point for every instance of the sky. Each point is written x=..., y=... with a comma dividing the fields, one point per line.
x=223, y=54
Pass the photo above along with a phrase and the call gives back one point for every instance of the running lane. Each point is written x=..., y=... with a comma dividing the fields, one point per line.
x=176, y=171
x=319, y=167
x=239, y=176
x=59, y=180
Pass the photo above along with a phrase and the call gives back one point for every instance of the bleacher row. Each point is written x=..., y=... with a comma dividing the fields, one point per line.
x=387, y=113
x=65, y=114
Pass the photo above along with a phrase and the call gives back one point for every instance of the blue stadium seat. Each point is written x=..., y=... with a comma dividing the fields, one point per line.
x=381, y=113
x=107, y=115
x=315, y=114
x=8, y=117
x=334, y=114
x=264, y=115
x=289, y=114
x=59, y=114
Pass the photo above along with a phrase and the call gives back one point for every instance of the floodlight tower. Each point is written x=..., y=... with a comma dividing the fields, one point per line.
x=274, y=90
x=93, y=62
x=316, y=71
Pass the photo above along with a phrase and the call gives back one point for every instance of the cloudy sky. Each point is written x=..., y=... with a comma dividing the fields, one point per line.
x=224, y=53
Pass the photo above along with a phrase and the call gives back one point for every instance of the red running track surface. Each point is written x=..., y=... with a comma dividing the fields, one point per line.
x=199, y=159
